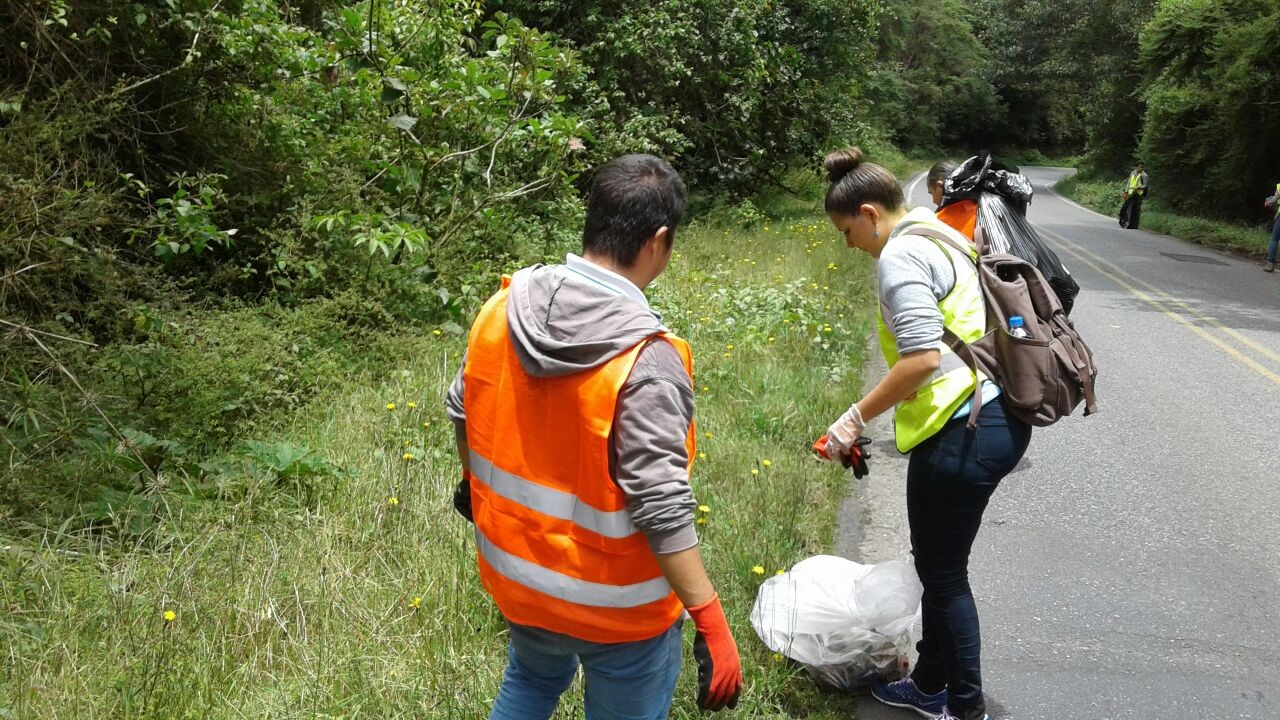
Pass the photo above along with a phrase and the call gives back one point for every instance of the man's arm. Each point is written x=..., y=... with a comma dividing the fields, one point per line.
x=464, y=452
x=687, y=576
x=456, y=410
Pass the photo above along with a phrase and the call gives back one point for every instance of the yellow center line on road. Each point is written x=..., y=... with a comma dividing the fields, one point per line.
x=1274, y=356
x=1096, y=263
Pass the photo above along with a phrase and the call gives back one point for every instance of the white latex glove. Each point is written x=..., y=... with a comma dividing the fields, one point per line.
x=844, y=432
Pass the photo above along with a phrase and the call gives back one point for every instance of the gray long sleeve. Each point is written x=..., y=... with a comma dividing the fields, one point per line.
x=650, y=460
x=914, y=274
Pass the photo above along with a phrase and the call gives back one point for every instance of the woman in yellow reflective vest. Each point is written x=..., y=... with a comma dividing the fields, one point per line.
x=1135, y=191
x=925, y=285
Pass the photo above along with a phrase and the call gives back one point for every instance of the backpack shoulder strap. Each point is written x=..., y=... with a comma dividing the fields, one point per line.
x=935, y=234
x=957, y=345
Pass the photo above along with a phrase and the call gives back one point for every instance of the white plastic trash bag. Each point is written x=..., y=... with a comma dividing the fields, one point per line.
x=850, y=623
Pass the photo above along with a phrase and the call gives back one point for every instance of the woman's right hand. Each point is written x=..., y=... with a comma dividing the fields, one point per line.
x=844, y=432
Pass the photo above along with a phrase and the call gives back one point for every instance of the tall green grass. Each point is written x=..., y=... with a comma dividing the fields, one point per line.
x=359, y=597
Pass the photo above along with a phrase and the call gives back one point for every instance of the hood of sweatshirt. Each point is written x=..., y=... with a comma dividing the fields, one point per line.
x=568, y=318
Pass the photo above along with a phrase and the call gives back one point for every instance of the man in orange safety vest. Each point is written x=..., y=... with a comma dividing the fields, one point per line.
x=574, y=417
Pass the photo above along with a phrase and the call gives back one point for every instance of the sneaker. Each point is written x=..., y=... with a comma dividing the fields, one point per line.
x=904, y=694
x=1269, y=267
x=946, y=715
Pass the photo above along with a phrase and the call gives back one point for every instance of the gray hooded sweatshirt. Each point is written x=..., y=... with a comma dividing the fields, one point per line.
x=568, y=318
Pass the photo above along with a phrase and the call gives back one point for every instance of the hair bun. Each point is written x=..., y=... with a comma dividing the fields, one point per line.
x=841, y=163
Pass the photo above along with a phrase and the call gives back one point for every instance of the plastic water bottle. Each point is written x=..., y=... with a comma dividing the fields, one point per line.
x=1017, y=327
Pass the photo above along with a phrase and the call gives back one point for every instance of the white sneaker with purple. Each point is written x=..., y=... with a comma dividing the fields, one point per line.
x=904, y=694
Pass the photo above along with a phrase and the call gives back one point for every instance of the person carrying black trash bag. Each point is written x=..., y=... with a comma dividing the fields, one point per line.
x=987, y=201
x=1135, y=190
x=928, y=288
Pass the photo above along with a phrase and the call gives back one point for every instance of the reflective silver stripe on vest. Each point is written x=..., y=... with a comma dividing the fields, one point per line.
x=548, y=501
x=571, y=589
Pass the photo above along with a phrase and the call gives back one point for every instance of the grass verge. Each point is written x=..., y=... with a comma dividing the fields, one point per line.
x=1103, y=195
x=305, y=591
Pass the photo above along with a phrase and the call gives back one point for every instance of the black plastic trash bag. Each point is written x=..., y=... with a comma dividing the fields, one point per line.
x=1003, y=195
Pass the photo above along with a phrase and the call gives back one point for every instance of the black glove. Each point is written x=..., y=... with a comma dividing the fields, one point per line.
x=462, y=498
x=857, y=458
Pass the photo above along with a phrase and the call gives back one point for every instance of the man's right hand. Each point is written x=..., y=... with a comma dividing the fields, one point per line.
x=719, y=667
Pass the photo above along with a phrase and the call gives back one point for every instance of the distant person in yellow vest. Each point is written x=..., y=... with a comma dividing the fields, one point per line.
x=1135, y=190
x=574, y=417
x=925, y=285
x=1273, y=202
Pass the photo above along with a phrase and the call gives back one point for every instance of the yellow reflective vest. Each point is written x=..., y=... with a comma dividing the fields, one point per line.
x=964, y=312
x=1135, y=184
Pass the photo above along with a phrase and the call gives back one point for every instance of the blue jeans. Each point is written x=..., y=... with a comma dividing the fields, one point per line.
x=1275, y=240
x=950, y=478
x=624, y=681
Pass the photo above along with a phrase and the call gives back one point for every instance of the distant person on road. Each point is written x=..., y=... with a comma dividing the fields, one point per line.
x=1273, y=202
x=924, y=286
x=1135, y=190
x=574, y=419
x=961, y=214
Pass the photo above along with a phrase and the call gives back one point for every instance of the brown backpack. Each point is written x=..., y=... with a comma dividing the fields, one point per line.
x=1043, y=377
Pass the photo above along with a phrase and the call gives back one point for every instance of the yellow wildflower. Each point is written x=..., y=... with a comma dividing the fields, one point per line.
x=415, y=602
x=702, y=456
x=170, y=616
x=755, y=471
x=702, y=521
x=393, y=501
x=412, y=405
x=777, y=657
x=391, y=406
x=708, y=435
x=767, y=463
x=781, y=572
x=759, y=569
x=704, y=508
x=437, y=332
x=408, y=457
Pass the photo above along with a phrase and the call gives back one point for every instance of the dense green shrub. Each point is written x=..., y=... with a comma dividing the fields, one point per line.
x=1213, y=103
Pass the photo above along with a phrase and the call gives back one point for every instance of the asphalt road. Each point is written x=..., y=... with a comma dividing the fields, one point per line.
x=1130, y=568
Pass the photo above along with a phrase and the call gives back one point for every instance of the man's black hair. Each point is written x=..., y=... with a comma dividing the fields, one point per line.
x=631, y=198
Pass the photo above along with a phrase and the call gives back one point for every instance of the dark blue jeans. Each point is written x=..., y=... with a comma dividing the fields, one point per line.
x=950, y=478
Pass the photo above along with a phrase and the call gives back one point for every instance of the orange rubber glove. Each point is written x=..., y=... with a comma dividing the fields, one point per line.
x=719, y=667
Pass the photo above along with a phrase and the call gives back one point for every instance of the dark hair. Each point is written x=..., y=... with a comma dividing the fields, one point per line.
x=939, y=172
x=631, y=198
x=855, y=183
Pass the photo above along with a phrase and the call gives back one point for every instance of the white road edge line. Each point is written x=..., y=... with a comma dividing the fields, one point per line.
x=1053, y=190
x=911, y=187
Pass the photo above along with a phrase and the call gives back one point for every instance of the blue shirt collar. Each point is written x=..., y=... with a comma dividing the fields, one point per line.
x=606, y=277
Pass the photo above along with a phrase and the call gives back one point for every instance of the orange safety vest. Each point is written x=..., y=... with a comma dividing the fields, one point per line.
x=961, y=215
x=556, y=546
